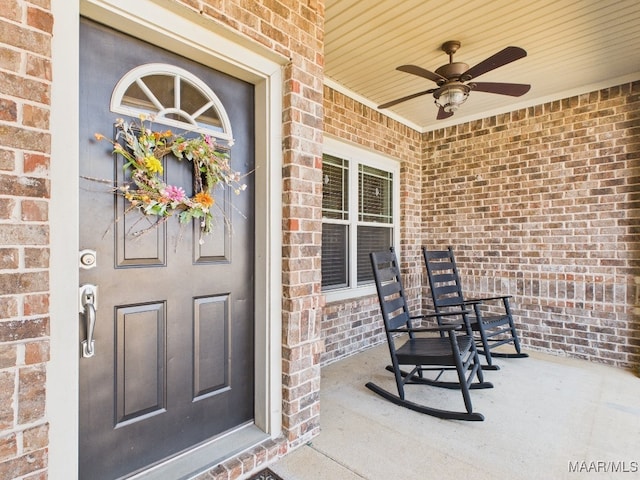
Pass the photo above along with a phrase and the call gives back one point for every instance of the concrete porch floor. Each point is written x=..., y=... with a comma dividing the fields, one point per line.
x=547, y=417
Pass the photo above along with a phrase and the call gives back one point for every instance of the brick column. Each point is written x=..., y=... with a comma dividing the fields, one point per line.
x=25, y=59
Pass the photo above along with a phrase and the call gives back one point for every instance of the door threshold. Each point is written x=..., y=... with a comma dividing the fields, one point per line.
x=207, y=455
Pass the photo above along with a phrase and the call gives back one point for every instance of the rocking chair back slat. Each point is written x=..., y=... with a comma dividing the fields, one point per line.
x=394, y=311
x=444, y=291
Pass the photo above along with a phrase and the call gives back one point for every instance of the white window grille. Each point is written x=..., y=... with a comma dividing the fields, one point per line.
x=173, y=97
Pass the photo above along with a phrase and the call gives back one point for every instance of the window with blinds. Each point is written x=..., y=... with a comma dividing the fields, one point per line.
x=374, y=195
x=335, y=229
x=375, y=217
x=353, y=226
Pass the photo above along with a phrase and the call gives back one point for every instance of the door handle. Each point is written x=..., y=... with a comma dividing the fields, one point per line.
x=88, y=306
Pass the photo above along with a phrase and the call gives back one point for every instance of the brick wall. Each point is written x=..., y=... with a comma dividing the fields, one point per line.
x=348, y=327
x=564, y=244
x=542, y=203
x=25, y=83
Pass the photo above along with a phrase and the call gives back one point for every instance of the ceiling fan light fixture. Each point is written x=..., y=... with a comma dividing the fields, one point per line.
x=451, y=96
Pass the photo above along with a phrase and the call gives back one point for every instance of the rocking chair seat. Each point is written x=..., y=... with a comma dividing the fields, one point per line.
x=431, y=350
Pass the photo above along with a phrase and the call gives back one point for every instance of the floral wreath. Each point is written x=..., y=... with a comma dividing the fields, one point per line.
x=143, y=150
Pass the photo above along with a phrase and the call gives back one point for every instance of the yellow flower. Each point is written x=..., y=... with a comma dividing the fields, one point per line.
x=204, y=199
x=153, y=164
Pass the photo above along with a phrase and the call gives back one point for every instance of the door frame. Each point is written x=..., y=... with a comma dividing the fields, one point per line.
x=182, y=31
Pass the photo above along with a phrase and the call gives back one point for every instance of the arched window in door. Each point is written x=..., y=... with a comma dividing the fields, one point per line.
x=173, y=97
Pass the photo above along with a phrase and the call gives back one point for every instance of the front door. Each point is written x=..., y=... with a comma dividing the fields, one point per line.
x=172, y=363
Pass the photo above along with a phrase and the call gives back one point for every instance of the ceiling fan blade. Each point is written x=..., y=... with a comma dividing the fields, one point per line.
x=507, y=55
x=442, y=114
x=421, y=72
x=512, y=89
x=404, y=99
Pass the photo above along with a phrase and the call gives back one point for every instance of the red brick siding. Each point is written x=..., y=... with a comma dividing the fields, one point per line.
x=25, y=86
x=350, y=326
x=542, y=203
x=565, y=243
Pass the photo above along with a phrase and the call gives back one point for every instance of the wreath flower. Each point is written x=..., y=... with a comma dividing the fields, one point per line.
x=143, y=150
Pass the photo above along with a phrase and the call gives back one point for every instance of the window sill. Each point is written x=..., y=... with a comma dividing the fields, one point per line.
x=341, y=294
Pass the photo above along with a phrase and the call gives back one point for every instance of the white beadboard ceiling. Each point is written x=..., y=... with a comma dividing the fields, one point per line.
x=573, y=47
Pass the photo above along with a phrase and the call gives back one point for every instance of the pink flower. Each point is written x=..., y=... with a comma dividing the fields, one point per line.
x=175, y=194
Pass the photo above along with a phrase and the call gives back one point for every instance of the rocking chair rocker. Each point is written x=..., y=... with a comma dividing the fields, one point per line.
x=493, y=329
x=454, y=350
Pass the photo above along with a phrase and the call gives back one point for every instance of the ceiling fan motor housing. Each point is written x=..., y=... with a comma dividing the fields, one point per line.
x=452, y=71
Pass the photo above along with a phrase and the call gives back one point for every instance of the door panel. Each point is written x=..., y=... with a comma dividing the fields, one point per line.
x=211, y=346
x=173, y=363
x=140, y=380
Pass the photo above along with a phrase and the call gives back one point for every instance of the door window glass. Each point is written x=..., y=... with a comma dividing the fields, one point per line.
x=173, y=97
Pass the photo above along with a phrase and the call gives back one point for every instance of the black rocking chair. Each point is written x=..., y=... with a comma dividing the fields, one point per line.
x=492, y=329
x=454, y=350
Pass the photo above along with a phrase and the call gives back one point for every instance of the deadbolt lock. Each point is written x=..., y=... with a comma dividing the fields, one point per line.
x=88, y=259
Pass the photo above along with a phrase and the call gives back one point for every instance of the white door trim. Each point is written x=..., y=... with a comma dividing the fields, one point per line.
x=183, y=31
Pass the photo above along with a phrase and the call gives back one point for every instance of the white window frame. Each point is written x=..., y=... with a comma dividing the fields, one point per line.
x=357, y=155
x=178, y=75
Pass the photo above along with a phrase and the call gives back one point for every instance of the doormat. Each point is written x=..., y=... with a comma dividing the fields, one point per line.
x=265, y=474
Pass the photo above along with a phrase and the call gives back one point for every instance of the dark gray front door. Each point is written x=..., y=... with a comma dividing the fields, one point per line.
x=173, y=362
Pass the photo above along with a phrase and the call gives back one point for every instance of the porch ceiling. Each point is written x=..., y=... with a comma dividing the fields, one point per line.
x=573, y=47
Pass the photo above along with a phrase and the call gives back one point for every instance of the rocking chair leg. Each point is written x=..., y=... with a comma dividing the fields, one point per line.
x=489, y=367
x=516, y=345
x=487, y=354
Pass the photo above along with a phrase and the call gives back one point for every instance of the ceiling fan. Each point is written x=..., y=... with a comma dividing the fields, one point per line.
x=452, y=78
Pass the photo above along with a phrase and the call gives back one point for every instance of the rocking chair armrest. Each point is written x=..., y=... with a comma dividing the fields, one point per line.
x=472, y=301
x=441, y=314
x=485, y=299
x=458, y=303
x=444, y=328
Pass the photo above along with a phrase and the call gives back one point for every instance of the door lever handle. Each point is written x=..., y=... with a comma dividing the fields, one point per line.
x=88, y=306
